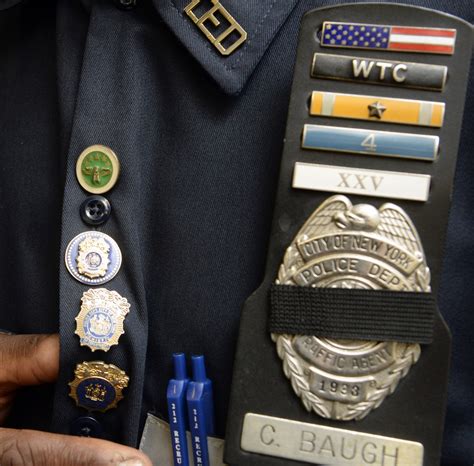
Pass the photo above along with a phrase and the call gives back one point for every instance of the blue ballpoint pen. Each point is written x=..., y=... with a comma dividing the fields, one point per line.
x=176, y=397
x=200, y=411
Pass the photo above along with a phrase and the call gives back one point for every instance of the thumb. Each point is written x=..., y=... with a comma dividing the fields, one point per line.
x=28, y=360
x=27, y=447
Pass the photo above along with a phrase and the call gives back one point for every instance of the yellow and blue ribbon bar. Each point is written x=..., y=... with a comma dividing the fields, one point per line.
x=380, y=109
x=363, y=141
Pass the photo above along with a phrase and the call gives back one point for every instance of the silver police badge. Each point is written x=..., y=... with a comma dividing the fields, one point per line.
x=351, y=246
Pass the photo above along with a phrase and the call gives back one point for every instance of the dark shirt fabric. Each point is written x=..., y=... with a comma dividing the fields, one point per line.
x=199, y=137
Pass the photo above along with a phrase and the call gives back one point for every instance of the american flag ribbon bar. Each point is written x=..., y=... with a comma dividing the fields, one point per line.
x=388, y=38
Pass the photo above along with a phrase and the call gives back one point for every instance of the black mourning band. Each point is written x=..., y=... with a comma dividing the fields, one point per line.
x=357, y=314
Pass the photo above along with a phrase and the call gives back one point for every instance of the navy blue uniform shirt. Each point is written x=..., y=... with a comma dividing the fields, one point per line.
x=199, y=137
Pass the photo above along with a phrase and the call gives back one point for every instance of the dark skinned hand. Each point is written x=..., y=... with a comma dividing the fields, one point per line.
x=33, y=360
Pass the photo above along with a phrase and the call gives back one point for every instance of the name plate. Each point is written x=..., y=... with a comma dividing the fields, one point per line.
x=310, y=443
x=369, y=142
x=379, y=71
x=334, y=179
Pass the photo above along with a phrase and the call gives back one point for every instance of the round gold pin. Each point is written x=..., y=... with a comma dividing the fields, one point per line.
x=97, y=169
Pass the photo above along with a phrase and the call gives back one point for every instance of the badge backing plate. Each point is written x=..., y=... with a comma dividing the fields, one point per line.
x=259, y=385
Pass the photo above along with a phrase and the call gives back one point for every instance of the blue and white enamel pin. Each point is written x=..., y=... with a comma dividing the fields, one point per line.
x=93, y=258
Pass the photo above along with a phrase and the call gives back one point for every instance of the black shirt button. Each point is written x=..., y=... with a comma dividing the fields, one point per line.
x=126, y=4
x=95, y=210
x=86, y=426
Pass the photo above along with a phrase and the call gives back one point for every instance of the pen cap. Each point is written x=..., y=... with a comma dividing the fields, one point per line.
x=199, y=369
x=176, y=398
x=179, y=360
x=205, y=388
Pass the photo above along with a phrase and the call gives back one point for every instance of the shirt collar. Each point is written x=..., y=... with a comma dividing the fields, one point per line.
x=4, y=4
x=261, y=19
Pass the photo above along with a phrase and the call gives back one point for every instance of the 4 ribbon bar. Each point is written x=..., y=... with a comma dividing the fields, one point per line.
x=380, y=109
x=388, y=38
x=369, y=142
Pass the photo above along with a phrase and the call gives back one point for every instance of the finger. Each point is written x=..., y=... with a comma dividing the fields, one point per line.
x=27, y=447
x=28, y=360
x=6, y=402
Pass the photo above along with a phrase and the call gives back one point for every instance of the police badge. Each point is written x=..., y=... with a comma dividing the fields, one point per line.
x=93, y=258
x=99, y=324
x=351, y=246
x=98, y=386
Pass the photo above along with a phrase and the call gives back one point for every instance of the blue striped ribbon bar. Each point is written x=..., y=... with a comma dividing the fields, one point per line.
x=366, y=141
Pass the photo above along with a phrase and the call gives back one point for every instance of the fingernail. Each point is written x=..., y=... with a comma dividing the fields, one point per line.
x=131, y=462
